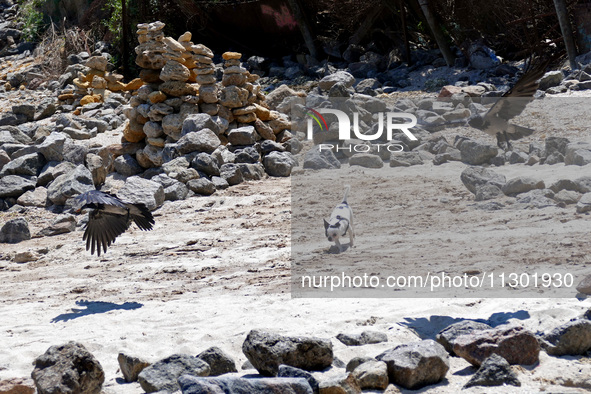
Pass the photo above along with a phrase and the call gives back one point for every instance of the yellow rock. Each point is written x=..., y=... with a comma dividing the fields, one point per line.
x=262, y=113
x=231, y=55
x=134, y=84
x=116, y=86
x=76, y=112
x=66, y=96
x=80, y=84
x=90, y=74
x=98, y=82
x=131, y=133
x=157, y=97
x=186, y=36
x=91, y=98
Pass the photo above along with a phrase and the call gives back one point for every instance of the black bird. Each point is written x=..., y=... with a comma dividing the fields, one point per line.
x=109, y=218
x=495, y=122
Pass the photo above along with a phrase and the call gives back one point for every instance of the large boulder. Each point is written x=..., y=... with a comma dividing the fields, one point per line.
x=75, y=182
x=318, y=159
x=15, y=185
x=416, y=364
x=234, y=384
x=266, y=351
x=28, y=165
x=279, y=163
x=144, y=191
x=203, y=140
x=475, y=177
x=340, y=76
x=570, y=339
x=15, y=231
x=68, y=368
x=163, y=375
x=219, y=362
x=53, y=146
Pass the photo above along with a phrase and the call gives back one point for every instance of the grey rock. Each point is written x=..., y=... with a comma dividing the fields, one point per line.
x=475, y=152
x=233, y=384
x=231, y=173
x=242, y=136
x=247, y=154
x=475, y=177
x=16, y=185
x=554, y=158
x=488, y=192
x=339, y=90
x=201, y=186
x=176, y=191
x=556, y=145
x=567, y=197
x=357, y=361
x=198, y=122
x=516, y=157
x=64, y=223
x=551, y=79
x=583, y=206
x=15, y=231
x=163, y=375
x=266, y=351
x=25, y=165
x=52, y=147
x=515, y=344
x=520, y=185
x=52, y=170
x=342, y=383
x=219, y=362
x=448, y=335
x=366, y=160
x=70, y=184
x=28, y=110
x=405, y=159
x=77, y=134
x=279, y=164
x=285, y=371
x=206, y=163
x=251, y=171
x=572, y=338
x=75, y=153
x=68, y=368
x=144, y=191
x=578, y=153
x=33, y=198
x=372, y=375
x=203, y=140
x=340, y=76
x=494, y=371
x=583, y=184
x=127, y=165
x=268, y=146
x=219, y=183
x=365, y=338
x=318, y=159
x=416, y=364
x=538, y=198
x=131, y=366
x=565, y=184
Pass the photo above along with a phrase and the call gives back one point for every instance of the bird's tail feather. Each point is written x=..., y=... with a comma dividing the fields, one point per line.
x=518, y=132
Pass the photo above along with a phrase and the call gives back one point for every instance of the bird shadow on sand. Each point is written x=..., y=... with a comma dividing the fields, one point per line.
x=429, y=327
x=94, y=307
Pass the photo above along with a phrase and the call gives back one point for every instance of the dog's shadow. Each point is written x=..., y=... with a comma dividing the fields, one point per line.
x=335, y=249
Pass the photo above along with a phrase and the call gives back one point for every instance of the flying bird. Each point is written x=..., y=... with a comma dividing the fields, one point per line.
x=495, y=122
x=109, y=218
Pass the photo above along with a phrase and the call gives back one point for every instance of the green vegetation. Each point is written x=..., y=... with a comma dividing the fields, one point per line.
x=114, y=22
x=32, y=17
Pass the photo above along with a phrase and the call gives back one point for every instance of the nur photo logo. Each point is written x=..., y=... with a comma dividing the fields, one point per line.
x=349, y=128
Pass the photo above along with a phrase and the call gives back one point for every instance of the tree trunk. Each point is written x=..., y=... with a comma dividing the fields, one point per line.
x=567, y=32
x=304, y=27
x=437, y=33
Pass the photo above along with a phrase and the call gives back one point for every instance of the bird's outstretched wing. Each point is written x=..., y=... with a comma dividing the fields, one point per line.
x=514, y=101
x=103, y=228
x=110, y=217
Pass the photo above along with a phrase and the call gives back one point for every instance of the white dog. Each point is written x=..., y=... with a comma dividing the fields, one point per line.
x=341, y=221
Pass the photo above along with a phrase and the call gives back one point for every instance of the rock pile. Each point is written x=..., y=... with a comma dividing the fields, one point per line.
x=299, y=364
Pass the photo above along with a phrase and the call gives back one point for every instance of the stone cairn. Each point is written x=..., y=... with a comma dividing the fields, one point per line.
x=180, y=80
x=96, y=83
